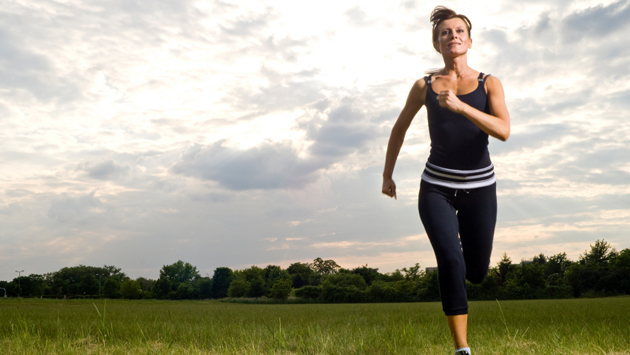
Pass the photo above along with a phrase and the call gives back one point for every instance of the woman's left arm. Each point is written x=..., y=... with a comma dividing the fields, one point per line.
x=495, y=124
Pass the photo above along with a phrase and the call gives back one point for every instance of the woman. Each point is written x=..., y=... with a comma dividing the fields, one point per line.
x=457, y=200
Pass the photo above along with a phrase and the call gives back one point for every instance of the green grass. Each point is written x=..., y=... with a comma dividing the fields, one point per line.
x=576, y=326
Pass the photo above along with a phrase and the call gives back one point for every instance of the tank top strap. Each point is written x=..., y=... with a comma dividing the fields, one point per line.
x=427, y=79
x=481, y=77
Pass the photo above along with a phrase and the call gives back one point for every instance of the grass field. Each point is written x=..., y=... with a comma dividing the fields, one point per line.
x=575, y=326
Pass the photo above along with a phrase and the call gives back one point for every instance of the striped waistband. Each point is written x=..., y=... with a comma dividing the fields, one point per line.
x=459, y=179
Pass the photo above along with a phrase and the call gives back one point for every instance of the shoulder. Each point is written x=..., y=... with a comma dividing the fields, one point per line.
x=417, y=93
x=492, y=80
x=493, y=84
x=422, y=82
x=420, y=85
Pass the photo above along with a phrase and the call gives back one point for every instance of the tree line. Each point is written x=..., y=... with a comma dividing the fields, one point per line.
x=600, y=271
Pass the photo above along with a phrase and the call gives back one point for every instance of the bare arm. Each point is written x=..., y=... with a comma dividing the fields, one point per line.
x=495, y=124
x=414, y=103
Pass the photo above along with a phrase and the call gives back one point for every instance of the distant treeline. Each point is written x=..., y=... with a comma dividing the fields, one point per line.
x=600, y=271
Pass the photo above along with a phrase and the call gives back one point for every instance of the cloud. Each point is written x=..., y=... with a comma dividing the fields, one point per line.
x=593, y=164
x=371, y=246
x=212, y=197
x=247, y=25
x=75, y=209
x=282, y=92
x=289, y=49
x=266, y=166
x=246, y=33
x=335, y=131
x=189, y=117
x=620, y=99
x=357, y=17
x=548, y=47
x=533, y=136
x=344, y=131
x=106, y=170
x=597, y=21
x=22, y=68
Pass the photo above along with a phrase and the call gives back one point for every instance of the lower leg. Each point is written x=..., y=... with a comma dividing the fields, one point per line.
x=458, y=325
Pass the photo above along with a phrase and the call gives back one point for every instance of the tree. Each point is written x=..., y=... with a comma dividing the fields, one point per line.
x=381, y=291
x=557, y=264
x=180, y=272
x=88, y=285
x=162, y=288
x=221, y=281
x=346, y=280
x=623, y=259
x=621, y=271
x=300, y=273
x=395, y=275
x=256, y=287
x=9, y=287
x=540, y=259
x=341, y=293
x=111, y=288
x=600, y=253
x=31, y=285
x=309, y=292
x=185, y=291
x=130, y=289
x=204, y=285
x=239, y=287
x=145, y=284
x=429, y=287
x=324, y=267
x=281, y=289
x=530, y=274
x=171, y=276
x=253, y=272
x=274, y=273
x=369, y=274
x=112, y=271
x=504, y=267
x=594, y=273
x=67, y=281
x=414, y=273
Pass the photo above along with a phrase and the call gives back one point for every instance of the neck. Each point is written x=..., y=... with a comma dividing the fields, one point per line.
x=455, y=67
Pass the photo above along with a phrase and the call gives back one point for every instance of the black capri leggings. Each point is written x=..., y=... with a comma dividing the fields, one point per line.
x=471, y=214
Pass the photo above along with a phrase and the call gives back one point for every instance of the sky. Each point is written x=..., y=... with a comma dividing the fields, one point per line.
x=239, y=133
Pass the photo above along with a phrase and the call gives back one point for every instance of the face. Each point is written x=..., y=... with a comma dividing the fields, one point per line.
x=453, y=37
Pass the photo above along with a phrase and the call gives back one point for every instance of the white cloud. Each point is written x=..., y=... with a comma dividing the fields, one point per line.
x=138, y=134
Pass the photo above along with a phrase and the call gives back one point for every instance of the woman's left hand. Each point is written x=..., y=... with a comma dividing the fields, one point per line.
x=449, y=100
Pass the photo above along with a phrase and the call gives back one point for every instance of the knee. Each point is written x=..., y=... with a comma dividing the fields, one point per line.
x=476, y=276
x=452, y=262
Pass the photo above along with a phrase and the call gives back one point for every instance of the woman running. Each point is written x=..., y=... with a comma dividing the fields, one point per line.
x=457, y=200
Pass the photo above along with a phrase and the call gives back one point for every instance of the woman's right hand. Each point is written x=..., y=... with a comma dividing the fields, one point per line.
x=389, y=187
x=415, y=101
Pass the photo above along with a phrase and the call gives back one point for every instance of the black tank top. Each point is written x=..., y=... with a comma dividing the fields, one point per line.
x=459, y=155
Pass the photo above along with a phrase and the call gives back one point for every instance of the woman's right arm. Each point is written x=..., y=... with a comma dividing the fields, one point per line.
x=414, y=103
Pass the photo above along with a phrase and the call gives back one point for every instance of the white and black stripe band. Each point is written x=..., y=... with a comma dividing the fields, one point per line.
x=459, y=179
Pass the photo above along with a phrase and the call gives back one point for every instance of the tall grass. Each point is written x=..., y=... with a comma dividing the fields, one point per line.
x=576, y=326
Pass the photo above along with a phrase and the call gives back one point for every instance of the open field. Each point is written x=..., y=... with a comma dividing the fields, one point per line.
x=574, y=326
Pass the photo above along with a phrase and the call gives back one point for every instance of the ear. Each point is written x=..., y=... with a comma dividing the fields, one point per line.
x=436, y=46
x=470, y=46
